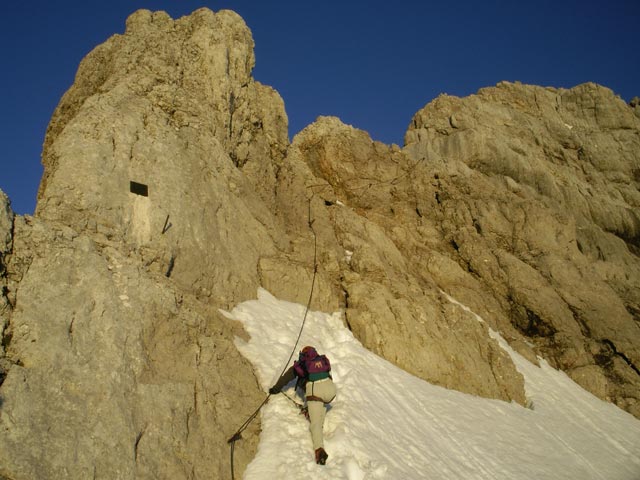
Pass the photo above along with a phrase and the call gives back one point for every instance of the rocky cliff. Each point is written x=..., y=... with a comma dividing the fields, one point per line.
x=171, y=191
x=538, y=195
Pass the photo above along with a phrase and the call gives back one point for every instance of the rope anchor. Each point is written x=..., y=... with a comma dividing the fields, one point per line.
x=166, y=226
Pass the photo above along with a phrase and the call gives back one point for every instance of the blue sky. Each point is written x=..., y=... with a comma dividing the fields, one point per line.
x=371, y=63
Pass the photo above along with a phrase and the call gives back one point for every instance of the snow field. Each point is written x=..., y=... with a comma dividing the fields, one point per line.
x=388, y=424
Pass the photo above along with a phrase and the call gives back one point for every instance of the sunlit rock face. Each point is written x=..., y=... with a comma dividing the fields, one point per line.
x=167, y=144
x=537, y=191
x=377, y=248
x=152, y=213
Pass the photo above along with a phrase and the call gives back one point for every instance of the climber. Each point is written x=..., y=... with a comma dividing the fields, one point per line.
x=314, y=376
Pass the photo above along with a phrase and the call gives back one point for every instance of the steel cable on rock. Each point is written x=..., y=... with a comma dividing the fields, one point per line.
x=238, y=435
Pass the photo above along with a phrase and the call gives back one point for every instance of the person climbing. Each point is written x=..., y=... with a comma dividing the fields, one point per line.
x=314, y=377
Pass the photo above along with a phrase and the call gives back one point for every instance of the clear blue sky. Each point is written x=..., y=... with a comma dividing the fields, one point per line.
x=371, y=63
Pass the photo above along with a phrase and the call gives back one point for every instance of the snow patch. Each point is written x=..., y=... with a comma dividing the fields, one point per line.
x=387, y=424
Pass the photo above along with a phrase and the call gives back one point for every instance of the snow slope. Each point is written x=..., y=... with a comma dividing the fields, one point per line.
x=388, y=424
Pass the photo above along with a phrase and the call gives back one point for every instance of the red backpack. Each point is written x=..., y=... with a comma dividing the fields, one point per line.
x=312, y=366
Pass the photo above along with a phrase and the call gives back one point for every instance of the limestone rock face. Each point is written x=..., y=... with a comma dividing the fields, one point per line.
x=115, y=360
x=171, y=105
x=367, y=227
x=536, y=190
x=115, y=373
x=635, y=105
x=6, y=241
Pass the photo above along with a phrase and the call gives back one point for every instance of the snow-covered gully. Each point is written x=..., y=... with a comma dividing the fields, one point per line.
x=388, y=424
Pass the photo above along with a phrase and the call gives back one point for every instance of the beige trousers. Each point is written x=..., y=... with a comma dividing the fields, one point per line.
x=326, y=390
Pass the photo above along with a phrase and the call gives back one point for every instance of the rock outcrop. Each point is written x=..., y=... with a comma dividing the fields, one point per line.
x=368, y=229
x=171, y=191
x=118, y=363
x=6, y=240
x=115, y=372
x=538, y=193
x=171, y=106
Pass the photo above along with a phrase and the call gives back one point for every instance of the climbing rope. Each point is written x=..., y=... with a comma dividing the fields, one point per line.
x=299, y=405
x=238, y=435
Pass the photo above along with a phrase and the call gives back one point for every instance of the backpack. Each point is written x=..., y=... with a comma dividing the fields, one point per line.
x=312, y=366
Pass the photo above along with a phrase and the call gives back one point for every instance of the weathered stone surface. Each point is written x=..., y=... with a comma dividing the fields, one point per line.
x=635, y=105
x=6, y=244
x=117, y=374
x=171, y=105
x=538, y=194
x=367, y=228
x=6, y=223
x=118, y=362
